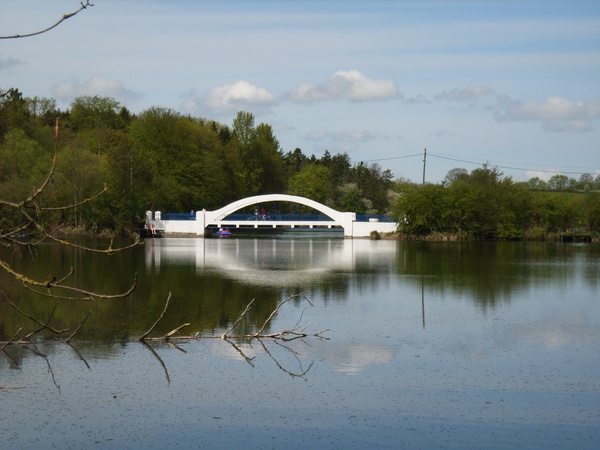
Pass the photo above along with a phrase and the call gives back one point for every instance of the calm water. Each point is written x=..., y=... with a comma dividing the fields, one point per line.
x=430, y=345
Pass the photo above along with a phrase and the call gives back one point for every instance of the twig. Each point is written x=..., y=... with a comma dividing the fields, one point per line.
x=175, y=346
x=11, y=339
x=86, y=295
x=78, y=327
x=172, y=332
x=63, y=18
x=79, y=354
x=162, y=363
x=44, y=326
x=290, y=373
x=235, y=324
x=143, y=336
x=239, y=350
x=37, y=352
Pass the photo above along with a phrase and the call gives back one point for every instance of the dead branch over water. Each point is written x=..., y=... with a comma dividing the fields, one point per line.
x=280, y=338
x=297, y=332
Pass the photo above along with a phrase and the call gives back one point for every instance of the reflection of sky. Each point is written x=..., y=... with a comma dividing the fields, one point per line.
x=547, y=298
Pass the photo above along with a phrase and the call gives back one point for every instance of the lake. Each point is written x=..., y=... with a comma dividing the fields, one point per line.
x=409, y=345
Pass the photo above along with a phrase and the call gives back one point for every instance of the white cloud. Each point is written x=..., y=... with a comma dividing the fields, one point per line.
x=236, y=96
x=555, y=113
x=345, y=85
x=105, y=87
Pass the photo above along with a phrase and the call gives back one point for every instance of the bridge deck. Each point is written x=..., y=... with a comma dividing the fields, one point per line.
x=256, y=224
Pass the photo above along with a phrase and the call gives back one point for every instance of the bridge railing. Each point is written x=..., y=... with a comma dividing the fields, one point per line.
x=374, y=217
x=239, y=217
x=178, y=216
x=317, y=217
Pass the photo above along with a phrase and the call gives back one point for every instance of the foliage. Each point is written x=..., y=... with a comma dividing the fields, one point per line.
x=486, y=205
x=311, y=182
x=162, y=160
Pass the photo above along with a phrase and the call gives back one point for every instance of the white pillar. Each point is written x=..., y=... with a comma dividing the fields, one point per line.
x=200, y=222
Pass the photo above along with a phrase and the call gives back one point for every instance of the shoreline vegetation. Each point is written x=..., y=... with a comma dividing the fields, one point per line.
x=443, y=237
x=530, y=236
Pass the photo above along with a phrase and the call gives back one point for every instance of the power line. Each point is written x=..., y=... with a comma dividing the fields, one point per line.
x=508, y=167
x=478, y=164
x=393, y=157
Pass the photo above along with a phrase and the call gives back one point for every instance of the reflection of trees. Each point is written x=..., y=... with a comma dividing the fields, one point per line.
x=173, y=338
x=487, y=271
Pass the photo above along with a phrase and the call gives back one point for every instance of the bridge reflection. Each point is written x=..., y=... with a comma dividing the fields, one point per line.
x=270, y=262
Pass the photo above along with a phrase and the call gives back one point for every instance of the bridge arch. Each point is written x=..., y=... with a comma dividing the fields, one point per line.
x=223, y=212
x=204, y=219
x=343, y=219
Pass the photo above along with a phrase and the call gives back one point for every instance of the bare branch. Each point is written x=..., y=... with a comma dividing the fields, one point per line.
x=85, y=295
x=44, y=326
x=143, y=336
x=172, y=332
x=239, y=350
x=10, y=341
x=78, y=327
x=290, y=373
x=62, y=19
x=275, y=312
x=162, y=363
x=235, y=324
x=79, y=354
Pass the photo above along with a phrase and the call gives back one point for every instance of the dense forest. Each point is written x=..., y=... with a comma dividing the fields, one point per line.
x=485, y=205
x=162, y=160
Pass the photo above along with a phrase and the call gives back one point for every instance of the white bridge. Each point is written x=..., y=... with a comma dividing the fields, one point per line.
x=199, y=222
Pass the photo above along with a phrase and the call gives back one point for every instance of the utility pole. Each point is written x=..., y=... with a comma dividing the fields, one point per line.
x=424, y=163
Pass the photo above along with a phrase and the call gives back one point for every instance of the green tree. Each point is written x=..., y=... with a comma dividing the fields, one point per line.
x=586, y=182
x=456, y=175
x=94, y=118
x=537, y=184
x=243, y=142
x=592, y=212
x=350, y=198
x=184, y=161
x=13, y=112
x=23, y=165
x=555, y=212
x=420, y=209
x=311, y=182
x=294, y=162
x=561, y=183
x=374, y=184
x=80, y=175
x=271, y=160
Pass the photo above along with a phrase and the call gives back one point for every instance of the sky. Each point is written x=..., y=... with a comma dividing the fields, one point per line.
x=514, y=84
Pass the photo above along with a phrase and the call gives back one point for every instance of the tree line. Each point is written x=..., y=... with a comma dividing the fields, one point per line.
x=163, y=160
x=484, y=204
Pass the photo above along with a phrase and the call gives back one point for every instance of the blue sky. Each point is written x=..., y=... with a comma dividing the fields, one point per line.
x=515, y=84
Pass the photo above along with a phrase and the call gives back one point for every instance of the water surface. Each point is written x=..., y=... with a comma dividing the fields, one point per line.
x=437, y=345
